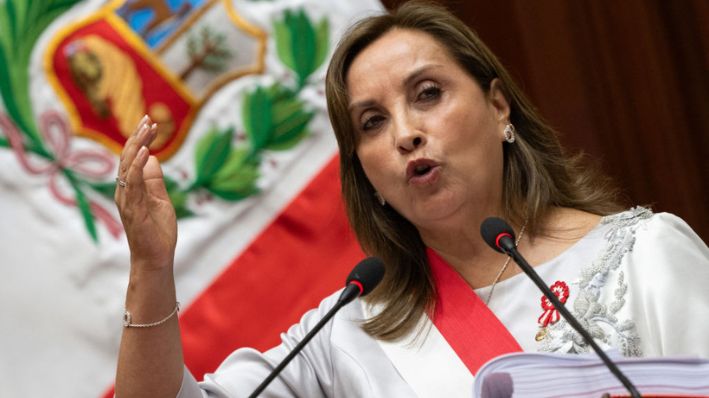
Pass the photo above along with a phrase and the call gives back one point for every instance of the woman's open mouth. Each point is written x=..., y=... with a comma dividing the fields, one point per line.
x=422, y=171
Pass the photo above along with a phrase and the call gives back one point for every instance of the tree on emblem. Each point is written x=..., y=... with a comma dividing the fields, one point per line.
x=208, y=50
x=274, y=119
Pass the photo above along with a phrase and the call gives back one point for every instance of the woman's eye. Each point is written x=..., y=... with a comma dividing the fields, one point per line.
x=429, y=92
x=372, y=122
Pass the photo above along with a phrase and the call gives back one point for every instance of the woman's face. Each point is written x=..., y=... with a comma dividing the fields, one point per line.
x=429, y=139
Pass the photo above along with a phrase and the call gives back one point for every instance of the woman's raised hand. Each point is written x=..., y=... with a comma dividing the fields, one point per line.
x=146, y=211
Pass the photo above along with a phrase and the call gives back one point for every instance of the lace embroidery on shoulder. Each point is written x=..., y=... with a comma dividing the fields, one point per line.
x=600, y=317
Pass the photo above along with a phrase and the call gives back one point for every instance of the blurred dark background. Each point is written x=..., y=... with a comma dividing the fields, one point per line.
x=626, y=82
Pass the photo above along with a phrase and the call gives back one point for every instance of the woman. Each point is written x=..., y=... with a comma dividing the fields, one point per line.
x=434, y=137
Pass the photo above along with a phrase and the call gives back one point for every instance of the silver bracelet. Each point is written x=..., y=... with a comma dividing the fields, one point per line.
x=127, y=319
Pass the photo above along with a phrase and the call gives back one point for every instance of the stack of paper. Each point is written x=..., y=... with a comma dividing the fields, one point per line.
x=564, y=375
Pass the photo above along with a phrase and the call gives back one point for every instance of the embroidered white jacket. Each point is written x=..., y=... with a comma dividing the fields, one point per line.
x=639, y=282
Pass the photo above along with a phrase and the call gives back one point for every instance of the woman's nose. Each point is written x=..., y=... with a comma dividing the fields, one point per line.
x=410, y=142
x=409, y=138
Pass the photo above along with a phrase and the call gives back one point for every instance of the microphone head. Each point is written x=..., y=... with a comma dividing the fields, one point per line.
x=367, y=274
x=497, y=385
x=493, y=229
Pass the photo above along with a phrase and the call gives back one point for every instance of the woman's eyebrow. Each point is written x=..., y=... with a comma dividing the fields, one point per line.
x=418, y=72
x=407, y=81
x=361, y=104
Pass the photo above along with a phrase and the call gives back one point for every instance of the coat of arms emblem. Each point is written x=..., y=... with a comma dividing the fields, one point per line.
x=166, y=59
x=163, y=58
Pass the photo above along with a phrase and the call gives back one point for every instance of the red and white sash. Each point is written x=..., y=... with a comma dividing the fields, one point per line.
x=440, y=357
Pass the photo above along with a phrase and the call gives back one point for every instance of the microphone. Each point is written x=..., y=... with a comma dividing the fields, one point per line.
x=497, y=385
x=363, y=278
x=501, y=237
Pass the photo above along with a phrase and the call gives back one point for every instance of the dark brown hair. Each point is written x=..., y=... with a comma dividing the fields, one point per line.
x=538, y=175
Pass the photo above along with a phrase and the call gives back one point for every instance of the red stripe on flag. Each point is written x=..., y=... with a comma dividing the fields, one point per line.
x=467, y=324
x=303, y=256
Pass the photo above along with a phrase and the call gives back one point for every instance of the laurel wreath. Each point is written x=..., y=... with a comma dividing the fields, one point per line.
x=274, y=117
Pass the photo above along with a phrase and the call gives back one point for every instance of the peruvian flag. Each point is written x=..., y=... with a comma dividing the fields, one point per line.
x=252, y=168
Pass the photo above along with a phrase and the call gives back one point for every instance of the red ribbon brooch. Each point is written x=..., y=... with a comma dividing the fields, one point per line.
x=550, y=314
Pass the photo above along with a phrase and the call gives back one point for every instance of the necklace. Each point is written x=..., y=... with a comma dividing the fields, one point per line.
x=504, y=266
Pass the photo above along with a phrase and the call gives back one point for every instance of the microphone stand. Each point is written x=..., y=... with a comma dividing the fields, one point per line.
x=508, y=246
x=347, y=295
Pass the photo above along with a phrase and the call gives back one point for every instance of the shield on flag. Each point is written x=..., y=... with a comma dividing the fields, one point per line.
x=132, y=58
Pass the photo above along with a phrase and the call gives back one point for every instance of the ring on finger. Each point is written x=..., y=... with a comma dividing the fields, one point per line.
x=121, y=183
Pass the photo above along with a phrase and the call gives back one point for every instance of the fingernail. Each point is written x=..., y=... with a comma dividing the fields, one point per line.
x=144, y=119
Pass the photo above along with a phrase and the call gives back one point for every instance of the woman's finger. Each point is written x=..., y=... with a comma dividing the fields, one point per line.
x=130, y=150
x=132, y=200
x=153, y=177
x=150, y=135
x=144, y=138
x=144, y=133
x=132, y=146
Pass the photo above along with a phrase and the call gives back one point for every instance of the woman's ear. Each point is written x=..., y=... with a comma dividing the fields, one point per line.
x=497, y=99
